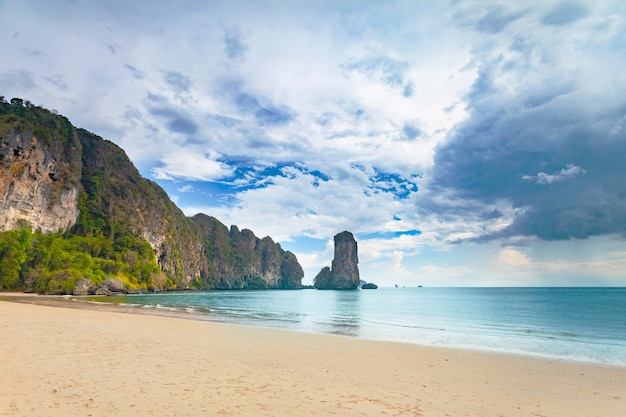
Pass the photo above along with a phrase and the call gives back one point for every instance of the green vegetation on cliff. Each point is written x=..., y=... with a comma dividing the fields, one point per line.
x=52, y=263
x=126, y=226
x=240, y=260
x=118, y=201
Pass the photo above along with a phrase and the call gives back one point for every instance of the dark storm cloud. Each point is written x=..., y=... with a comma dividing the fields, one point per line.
x=558, y=162
x=491, y=215
x=564, y=13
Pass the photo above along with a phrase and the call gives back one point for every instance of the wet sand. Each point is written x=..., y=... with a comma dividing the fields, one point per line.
x=59, y=361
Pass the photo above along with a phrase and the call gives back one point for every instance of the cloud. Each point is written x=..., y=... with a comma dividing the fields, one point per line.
x=112, y=48
x=542, y=178
x=187, y=188
x=178, y=81
x=439, y=271
x=192, y=165
x=513, y=258
x=496, y=20
x=177, y=120
x=516, y=260
x=564, y=13
x=58, y=81
x=136, y=73
x=384, y=70
x=491, y=215
x=297, y=201
x=409, y=89
x=527, y=139
x=234, y=45
x=487, y=162
x=261, y=109
x=466, y=121
x=270, y=115
x=20, y=79
x=411, y=131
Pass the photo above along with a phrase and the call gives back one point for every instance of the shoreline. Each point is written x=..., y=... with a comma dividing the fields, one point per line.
x=87, y=303
x=60, y=361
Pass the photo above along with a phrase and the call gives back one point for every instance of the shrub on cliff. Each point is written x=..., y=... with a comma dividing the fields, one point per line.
x=52, y=263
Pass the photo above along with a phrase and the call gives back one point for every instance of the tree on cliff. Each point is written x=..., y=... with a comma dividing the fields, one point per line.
x=13, y=253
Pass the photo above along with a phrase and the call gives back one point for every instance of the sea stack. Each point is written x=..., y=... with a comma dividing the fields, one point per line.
x=344, y=274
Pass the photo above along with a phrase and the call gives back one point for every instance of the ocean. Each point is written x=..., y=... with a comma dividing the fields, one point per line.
x=578, y=324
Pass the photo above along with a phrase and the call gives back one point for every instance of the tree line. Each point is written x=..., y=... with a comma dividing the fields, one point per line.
x=52, y=263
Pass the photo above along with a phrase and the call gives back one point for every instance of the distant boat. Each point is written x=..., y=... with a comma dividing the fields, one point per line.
x=396, y=285
x=420, y=286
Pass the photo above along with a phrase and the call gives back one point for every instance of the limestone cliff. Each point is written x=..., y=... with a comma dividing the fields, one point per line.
x=238, y=259
x=38, y=177
x=344, y=274
x=345, y=268
x=125, y=201
x=115, y=224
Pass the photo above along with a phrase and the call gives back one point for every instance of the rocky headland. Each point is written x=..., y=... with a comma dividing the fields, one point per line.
x=344, y=274
x=75, y=214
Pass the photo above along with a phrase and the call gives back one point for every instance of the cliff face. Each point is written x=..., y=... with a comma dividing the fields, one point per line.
x=345, y=268
x=54, y=176
x=344, y=274
x=38, y=182
x=238, y=259
x=127, y=202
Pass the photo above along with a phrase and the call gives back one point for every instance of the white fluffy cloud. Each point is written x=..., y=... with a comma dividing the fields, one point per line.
x=190, y=165
x=544, y=179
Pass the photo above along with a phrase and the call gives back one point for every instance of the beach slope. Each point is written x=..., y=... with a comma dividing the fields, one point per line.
x=75, y=362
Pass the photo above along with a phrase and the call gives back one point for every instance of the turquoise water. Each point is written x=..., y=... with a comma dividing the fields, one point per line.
x=582, y=324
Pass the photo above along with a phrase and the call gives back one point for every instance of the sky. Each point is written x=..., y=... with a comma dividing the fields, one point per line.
x=463, y=143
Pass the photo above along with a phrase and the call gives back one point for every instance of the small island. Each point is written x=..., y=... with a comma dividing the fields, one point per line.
x=344, y=274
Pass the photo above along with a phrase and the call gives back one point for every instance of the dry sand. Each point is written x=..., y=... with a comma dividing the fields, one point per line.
x=57, y=361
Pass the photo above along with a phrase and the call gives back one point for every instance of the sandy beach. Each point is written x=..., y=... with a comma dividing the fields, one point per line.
x=59, y=361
